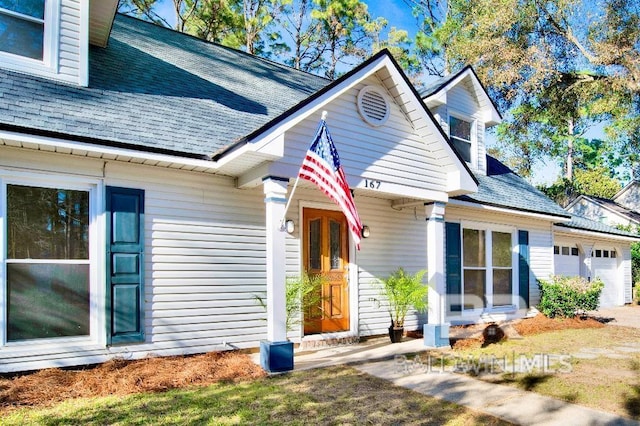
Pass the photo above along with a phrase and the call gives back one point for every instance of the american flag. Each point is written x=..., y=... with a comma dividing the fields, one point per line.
x=322, y=166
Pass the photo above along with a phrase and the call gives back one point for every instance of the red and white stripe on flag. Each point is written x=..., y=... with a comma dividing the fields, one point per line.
x=322, y=166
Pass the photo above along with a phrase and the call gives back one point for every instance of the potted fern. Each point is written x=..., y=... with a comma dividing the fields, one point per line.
x=403, y=292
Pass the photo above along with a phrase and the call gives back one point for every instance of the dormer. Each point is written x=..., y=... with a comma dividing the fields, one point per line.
x=464, y=110
x=50, y=38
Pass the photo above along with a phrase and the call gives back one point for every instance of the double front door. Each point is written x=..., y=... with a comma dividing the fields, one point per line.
x=326, y=253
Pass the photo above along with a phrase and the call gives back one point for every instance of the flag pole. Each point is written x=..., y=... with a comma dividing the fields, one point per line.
x=295, y=185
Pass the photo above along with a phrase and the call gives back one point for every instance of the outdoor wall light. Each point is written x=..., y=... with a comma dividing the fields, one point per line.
x=289, y=226
x=366, y=231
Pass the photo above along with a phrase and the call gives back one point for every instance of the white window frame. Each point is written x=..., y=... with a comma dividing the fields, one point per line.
x=473, y=150
x=49, y=62
x=515, y=289
x=96, y=193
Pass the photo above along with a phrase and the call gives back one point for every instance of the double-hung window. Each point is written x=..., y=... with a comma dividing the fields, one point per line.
x=460, y=132
x=488, y=258
x=28, y=30
x=47, y=266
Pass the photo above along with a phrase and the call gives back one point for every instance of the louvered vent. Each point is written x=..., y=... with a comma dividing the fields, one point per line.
x=373, y=106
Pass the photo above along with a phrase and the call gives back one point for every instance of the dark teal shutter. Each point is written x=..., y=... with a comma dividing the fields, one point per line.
x=125, y=264
x=453, y=266
x=523, y=267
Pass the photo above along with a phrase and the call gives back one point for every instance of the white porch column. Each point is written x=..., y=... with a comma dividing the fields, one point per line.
x=275, y=191
x=436, y=263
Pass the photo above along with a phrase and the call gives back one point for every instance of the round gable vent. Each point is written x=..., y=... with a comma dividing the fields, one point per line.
x=373, y=106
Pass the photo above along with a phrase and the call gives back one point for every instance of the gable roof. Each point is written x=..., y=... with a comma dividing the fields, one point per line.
x=436, y=93
x=154, y=89
x=634, y=184
x=501, y=187
x=610, y=205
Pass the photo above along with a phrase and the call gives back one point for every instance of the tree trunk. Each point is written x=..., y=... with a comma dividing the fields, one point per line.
x=570, y=148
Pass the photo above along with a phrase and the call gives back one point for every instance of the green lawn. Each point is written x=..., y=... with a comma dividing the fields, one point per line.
x=337, y=395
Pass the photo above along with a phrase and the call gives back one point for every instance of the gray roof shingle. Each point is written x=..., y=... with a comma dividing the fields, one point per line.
x=501, y=187
x=582, y=223
x=158, y=89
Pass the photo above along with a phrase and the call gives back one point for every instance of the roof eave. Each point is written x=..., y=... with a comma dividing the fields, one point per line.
x=101, y=16
x=563, y=228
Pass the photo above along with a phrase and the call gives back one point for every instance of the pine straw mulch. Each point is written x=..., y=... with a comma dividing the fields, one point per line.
x=122, y=377
x=476, y=336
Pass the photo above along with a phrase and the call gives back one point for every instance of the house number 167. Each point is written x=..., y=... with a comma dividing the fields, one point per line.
x=372, y=184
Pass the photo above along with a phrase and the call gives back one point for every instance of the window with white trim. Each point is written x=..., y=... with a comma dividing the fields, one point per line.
x=47, y=262
x=460, y=133
x=488, y=259
x=28, y=31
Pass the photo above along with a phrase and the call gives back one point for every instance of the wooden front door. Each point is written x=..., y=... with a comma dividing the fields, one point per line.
x=326, y=253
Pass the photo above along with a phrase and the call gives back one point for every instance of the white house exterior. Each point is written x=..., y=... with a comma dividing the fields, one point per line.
x=619, y=211
x=143, y=195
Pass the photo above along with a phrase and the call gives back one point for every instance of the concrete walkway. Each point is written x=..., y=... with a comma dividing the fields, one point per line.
x=382, y=359
x=626, y=316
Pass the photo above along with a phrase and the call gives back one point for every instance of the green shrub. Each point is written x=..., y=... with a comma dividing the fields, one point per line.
x=562, y=296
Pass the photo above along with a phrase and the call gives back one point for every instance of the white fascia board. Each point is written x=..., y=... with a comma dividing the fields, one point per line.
x=593, y=234
x=82, y=146
x=460, y=183
x=491, y=116
x=272, y=149
x=542, y=216
x=625, y=189
x=437, y=99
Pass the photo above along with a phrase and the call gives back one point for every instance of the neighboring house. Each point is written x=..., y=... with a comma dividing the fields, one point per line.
x=622, y=210
x=144, y=175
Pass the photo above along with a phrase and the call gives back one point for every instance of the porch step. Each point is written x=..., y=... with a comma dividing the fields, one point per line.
x=319, y=342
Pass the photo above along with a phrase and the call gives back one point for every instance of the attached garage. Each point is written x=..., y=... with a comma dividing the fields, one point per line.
x=605, y=265
x=592, y=250
x=566, y=258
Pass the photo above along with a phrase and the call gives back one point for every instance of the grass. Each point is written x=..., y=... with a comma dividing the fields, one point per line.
x=336, y=395
x=605, y=383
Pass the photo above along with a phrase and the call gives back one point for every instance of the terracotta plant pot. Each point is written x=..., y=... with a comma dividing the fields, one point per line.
x=395, y=334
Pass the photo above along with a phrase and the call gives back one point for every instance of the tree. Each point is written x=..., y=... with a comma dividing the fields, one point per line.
x=341, y=24
x=577, y=57
x=398, y=42
x=595, y=174
x=246, y=24
x=431, y=49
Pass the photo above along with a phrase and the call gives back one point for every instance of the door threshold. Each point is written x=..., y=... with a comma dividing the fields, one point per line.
x=323, y=340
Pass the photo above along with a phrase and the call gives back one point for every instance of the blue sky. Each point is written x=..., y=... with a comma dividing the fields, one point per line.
x=398, y=14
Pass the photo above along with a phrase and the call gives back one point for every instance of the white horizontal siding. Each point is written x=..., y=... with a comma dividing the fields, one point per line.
x=204, y=261
x=540, y=240
x=398, y=239
x=69, y=39
x=540, y=260
x=626, y=271
x=462, y=102
x=392, y=153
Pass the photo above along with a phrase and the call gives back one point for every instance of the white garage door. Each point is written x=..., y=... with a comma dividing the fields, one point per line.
x=604, y=264
x=566, y=260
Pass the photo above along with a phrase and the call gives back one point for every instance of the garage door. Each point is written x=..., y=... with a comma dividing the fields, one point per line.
x=604, y=264
x=566, y=260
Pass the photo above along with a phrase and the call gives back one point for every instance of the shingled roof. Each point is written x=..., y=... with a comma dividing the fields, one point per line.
x=156, y=89
x=582, y=223
x=501, y=187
